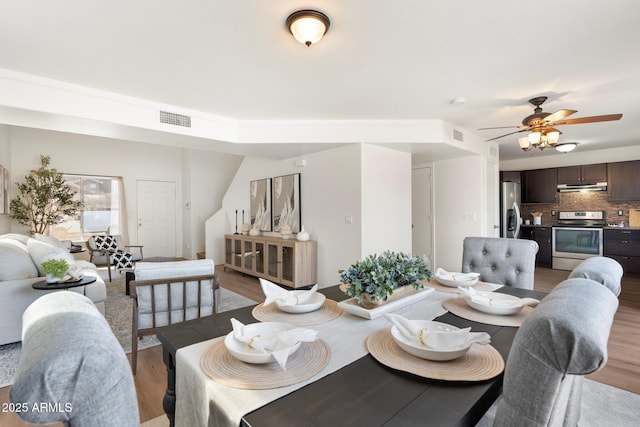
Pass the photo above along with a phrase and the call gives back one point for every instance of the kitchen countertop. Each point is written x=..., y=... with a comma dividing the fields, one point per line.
x=608, y=227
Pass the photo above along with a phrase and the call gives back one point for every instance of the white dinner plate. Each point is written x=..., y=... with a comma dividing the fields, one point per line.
x=424, y=352
x=458, y=279
x=502, y=304
x=312, y=304
x=242, y=351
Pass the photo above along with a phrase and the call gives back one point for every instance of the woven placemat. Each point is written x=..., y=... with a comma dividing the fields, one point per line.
x=480, y=286
x=459, y=307
x=218, y=364
x=272, y=313
x=482, y=362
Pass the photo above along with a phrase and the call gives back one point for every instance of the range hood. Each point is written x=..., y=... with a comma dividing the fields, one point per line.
x=568, y=188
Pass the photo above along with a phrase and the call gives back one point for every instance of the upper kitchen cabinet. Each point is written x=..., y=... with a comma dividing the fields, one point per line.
x=540, y=186
x=584, y=174
x=622, y=180
x=513, y=176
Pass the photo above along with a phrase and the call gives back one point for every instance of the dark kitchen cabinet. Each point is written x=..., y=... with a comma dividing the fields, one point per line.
x=513, y=176
x=622, y=181
x=542, y=235
x=623, y=245
x=583, y=174
x=540, y=186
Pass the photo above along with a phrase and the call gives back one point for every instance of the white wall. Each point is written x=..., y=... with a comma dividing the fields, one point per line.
x=330, y=191
x=386, y=200
x=457, y=204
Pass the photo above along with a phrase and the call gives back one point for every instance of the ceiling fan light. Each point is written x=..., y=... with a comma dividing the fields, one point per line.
x=534, y=138
x=566, y=147
x=553, y=137
x=308, y=26
x=524, y=143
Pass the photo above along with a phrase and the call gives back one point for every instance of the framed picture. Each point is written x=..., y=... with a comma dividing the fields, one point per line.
x=5, y=184
x=286, y=202
x=260, y=192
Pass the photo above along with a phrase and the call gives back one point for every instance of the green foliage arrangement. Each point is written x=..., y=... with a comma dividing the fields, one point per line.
x=55, y=267
x=379, y=275
x=45, y=198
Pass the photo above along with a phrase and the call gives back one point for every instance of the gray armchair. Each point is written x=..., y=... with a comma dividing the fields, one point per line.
x=563, y=339
x=510, y=262
x=72, y=368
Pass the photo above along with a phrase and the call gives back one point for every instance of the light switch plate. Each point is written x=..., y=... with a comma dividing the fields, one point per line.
x=620, y=212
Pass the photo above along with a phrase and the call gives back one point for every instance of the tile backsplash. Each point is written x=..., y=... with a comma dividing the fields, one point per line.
x=590, y=201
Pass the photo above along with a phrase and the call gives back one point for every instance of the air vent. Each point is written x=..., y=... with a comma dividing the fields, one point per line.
x=457, y=135
x=175, y=119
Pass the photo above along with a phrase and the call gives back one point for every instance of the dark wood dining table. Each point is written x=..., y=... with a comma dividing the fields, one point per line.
x=363, y=393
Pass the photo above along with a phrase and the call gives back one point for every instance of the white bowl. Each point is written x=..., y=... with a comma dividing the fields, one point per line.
x=313, y=303
x=454, y=282
x=497, y=305
x=240, y=350
x=424, y=352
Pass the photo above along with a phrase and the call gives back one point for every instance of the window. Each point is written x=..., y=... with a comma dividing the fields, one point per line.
x=103, y=211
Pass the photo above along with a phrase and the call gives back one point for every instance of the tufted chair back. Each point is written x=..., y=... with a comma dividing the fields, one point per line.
x=509, y=262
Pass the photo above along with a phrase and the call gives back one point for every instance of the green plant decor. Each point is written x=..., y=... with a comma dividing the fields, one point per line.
x=45, y=198
x=379, y=275
x=55, y=267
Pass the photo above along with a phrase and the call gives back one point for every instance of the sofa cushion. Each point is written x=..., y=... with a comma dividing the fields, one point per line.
x=22, y=238
x=15, y=262
x=66, y=245
x=41, y=251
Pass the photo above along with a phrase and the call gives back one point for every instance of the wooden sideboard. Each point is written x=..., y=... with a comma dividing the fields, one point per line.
x=288, y=262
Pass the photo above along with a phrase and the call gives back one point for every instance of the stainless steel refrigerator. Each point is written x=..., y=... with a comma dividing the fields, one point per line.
x=510, y=218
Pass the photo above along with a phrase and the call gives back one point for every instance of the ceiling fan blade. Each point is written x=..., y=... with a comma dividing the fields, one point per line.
x=559, y=115
x=506, y=127
x=592, y=119
x=507, y=134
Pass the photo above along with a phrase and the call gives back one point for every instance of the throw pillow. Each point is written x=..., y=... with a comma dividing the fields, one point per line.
x=41, y=251
x=66, y=245
x=105, y=242
x=122, y=260
x=15, y=262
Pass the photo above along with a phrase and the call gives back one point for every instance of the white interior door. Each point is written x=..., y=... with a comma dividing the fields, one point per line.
x=421, y=216
x=157, y=218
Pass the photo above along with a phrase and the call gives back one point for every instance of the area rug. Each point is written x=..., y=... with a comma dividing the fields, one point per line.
x=602, y=406
x=118, y=312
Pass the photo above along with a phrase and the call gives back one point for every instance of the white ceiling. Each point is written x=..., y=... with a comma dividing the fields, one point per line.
x=381, y=59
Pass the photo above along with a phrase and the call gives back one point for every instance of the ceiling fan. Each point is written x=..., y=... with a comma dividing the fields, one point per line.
x=544, y=123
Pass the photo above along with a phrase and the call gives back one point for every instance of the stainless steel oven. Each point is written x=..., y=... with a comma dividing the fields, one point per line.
x=576, y=236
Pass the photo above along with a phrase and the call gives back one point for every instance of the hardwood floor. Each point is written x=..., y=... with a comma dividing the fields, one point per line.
x=622, y=369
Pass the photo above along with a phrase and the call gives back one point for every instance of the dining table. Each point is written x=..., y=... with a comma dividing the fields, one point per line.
x=362, y=392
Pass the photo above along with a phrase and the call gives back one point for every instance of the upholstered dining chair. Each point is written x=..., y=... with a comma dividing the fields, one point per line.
x=604, y=270
x=166, y=293
x=72, y=368
x=562, y=340
x=101, y=256
x=510, y=262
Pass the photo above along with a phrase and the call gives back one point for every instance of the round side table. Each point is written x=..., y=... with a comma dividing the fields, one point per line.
x=44, y=286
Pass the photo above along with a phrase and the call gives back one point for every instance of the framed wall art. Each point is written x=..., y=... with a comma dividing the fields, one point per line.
x=260, y=192
x=286, y=202
x=4, y=190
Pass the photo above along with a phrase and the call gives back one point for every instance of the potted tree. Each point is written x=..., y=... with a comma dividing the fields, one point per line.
x=377, y=279
x=45, y=198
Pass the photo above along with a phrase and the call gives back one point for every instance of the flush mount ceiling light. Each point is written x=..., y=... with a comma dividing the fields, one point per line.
x=566, y=147
x=308, y=26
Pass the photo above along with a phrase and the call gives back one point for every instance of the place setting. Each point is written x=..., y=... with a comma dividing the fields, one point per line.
x=435, y=350
x=492, y=308
x=445, y=281
x=264, y=355
x=297, y=307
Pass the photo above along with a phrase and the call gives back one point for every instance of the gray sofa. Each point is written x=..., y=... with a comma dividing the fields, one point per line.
x=20, y=259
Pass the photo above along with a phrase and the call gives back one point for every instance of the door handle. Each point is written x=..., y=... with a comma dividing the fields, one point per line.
x=495, y=227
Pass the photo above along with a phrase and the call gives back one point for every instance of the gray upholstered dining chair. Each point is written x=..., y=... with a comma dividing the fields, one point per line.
x=72, y=368
x=606, y=271
x=510, y=262
x=562, y=340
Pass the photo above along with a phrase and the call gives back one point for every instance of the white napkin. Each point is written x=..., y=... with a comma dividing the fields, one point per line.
x=275, y=293
x=277, y=344
x=442, y=273
x=73, y=274
x=489, y=301
x=437, y=340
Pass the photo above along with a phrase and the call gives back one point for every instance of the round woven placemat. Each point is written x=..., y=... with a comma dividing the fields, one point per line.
x=459, y=307
x=480, y=286
x=272, y=313
x=222, y=367
x=482, y=362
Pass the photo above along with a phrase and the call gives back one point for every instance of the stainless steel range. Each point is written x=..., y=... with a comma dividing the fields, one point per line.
x=575, y=237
